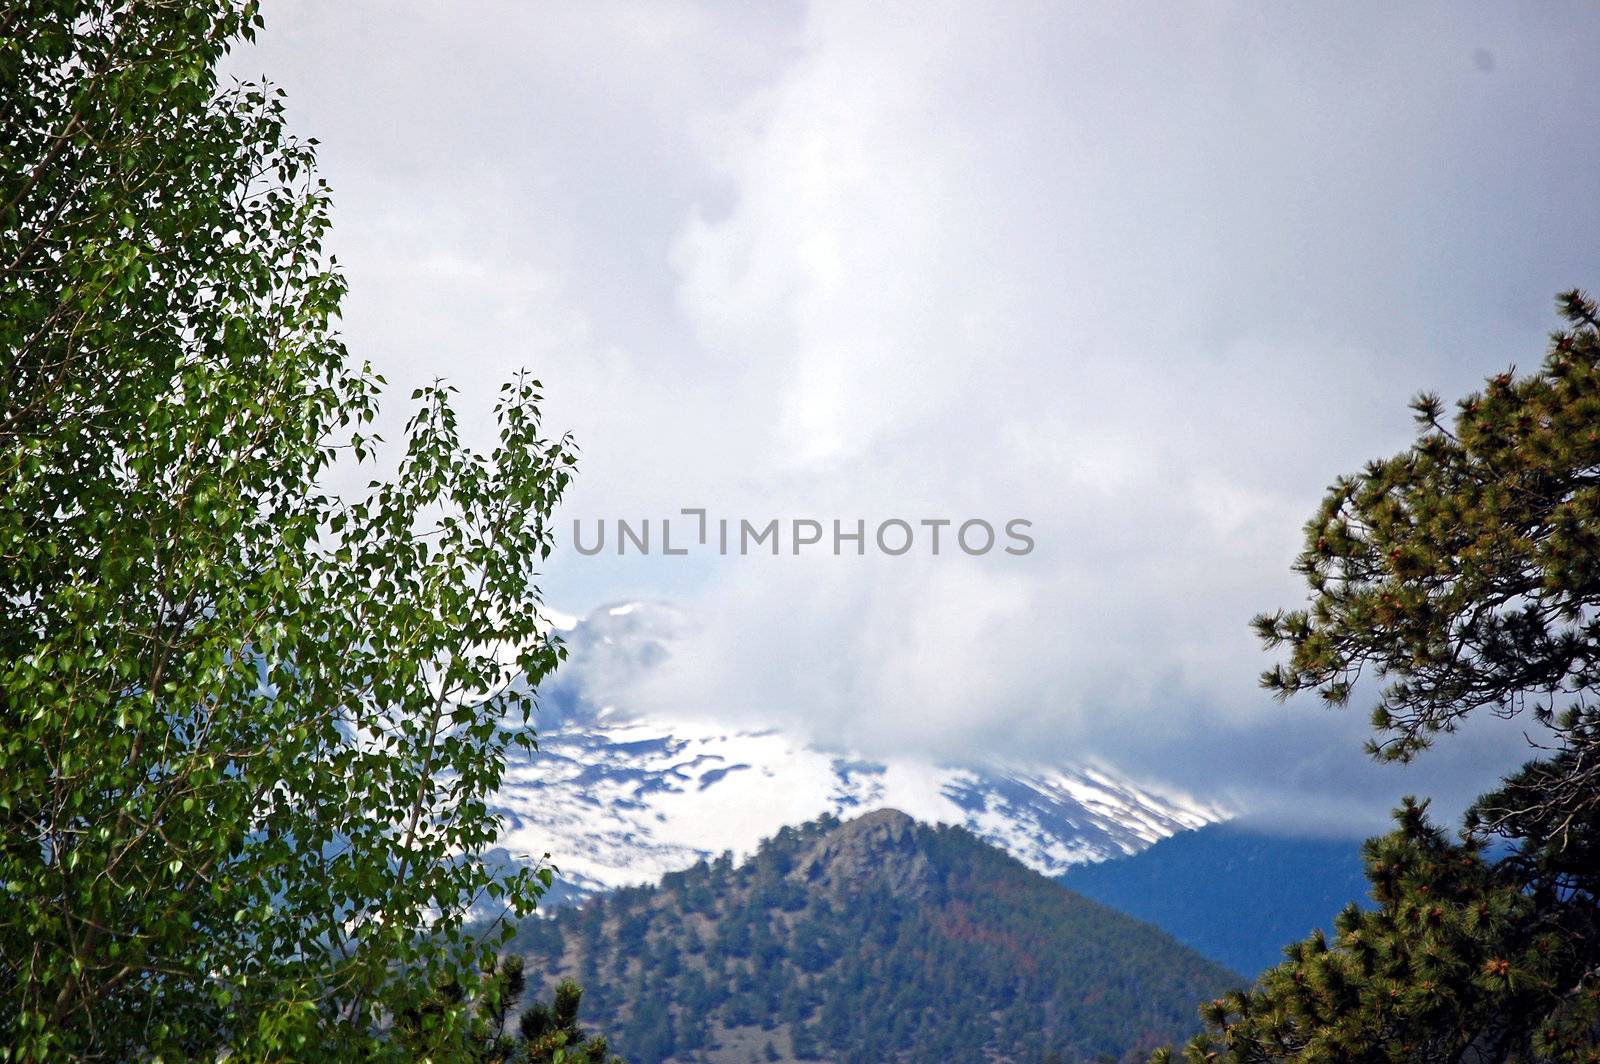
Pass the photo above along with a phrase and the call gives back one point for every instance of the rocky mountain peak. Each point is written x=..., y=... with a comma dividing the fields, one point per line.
x=879, y=849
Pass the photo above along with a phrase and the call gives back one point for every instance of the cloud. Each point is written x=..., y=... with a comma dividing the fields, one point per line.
x=1149, y=280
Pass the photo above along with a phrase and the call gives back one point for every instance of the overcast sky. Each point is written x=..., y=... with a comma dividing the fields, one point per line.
x=1148, y=276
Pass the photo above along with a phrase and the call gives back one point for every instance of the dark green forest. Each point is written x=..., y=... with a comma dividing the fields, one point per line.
x=874, y=940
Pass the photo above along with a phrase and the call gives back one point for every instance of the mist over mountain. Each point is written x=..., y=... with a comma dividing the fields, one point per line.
x=877, y=939
x=620, y=797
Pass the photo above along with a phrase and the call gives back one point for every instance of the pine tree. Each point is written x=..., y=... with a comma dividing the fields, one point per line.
x=1466, y=572
x=502, y=991
x=545, y=1033
x=551, y=1033
x=1460, y=960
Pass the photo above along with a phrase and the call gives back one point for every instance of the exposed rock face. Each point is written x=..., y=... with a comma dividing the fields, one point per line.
x=878, y=850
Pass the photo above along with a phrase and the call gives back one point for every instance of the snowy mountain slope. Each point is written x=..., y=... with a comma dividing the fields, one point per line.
x=617, y=797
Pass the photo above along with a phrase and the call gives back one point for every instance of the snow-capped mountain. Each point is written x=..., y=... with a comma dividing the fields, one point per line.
x=617, y=796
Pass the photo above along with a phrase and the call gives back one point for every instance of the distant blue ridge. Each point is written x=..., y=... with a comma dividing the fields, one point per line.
x=1232, y=892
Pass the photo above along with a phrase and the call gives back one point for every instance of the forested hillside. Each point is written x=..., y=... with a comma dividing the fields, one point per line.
x=874, y=940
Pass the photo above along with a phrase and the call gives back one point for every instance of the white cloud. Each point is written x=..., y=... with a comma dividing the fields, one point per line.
x=1149, y=280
